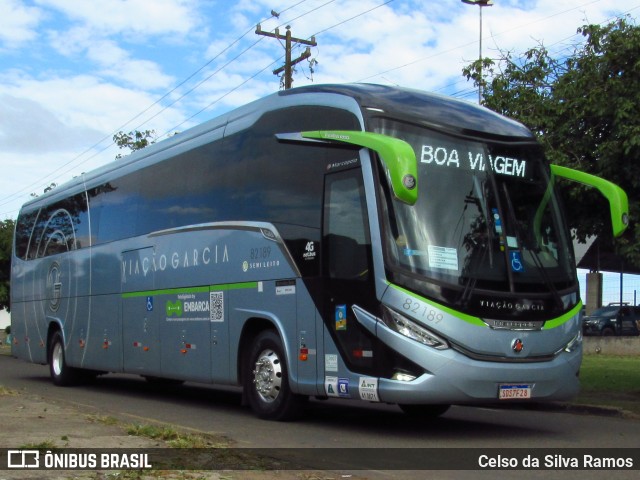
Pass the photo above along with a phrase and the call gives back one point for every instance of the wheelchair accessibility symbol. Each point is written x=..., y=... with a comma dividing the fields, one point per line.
x=516, y=261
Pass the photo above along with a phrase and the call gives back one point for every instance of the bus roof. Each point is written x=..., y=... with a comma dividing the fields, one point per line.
x=438, y=111
x=432, y=110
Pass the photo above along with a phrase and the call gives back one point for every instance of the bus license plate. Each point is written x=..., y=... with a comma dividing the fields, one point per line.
x=514, y=392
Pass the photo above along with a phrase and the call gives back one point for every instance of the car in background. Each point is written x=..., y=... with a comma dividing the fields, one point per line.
x=614, y=319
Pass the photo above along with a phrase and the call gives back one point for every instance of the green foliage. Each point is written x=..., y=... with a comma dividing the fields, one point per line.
x=6, y=244
x=134, y=140
x=45, y=445
x=585, y=110
x=175, y=439
x=612, y=381
x=48, y=188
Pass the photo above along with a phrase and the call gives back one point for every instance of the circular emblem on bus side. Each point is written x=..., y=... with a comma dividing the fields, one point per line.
x=517, y=345
x=54, y=286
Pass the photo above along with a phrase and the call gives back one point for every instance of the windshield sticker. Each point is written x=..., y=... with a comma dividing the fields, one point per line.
x=449, y=157
x=443, y=257
x=414, y=253
x=512, y=242
x=516, y=261
x=341, y=317
x=496, y=221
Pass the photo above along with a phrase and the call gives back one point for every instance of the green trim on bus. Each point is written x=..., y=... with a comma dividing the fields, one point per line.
x=462, y=316
x=618, y=201
x=397, y=155
x=207, y=289
x=561, y=320
x=476, y=321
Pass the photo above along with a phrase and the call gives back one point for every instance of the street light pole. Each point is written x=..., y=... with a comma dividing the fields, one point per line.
x=479, y=3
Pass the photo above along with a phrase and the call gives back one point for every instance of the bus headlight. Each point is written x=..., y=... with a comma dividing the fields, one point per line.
x=412, y=330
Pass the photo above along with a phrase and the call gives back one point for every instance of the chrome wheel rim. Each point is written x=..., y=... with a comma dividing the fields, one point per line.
x=267, y=376
x=57, y=359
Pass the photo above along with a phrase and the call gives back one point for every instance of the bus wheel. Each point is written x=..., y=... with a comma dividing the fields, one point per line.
x=424, y=412
x=61, y=374
x=266, y=380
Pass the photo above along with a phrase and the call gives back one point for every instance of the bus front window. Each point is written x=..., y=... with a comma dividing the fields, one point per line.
x=486, y=217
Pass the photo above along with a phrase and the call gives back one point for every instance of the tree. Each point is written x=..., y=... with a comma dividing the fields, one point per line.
x=6, y=242
x=585, y=110
x=50, y=187
x=134, y=140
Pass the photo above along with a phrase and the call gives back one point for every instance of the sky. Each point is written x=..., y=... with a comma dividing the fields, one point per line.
x=73, y=73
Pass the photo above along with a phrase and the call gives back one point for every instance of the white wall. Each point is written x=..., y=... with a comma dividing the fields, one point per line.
x=5, y=319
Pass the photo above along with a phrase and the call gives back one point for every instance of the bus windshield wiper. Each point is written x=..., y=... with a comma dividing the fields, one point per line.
x=479, y=200
x=533, y=251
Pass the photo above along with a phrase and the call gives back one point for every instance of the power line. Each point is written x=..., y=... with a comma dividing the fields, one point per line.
x=73, y=164
x=59, y=171
x=289, y=63
x=74, y=161
x=556, y=54
x=516, y=28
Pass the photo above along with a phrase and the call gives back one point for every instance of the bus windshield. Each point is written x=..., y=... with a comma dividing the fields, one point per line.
x=486, y=217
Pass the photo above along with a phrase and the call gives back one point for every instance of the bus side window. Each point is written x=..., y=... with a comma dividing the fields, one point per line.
x=346, y=227
x=60, y=228
x=24, y=228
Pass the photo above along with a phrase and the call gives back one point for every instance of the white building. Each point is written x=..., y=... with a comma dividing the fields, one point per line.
x=5, y=319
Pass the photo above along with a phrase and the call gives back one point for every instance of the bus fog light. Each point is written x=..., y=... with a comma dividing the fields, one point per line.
x=403, y=377
x=412, y=330
x=575, y=343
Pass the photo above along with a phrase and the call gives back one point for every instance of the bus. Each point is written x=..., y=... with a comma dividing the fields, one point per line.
x=358, y=241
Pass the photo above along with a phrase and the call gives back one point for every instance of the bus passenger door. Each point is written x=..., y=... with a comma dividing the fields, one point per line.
x=347, y=265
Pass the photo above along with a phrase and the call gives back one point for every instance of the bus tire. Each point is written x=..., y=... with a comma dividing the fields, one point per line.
x=62, y=374
x=266, y=380
x=424, y=412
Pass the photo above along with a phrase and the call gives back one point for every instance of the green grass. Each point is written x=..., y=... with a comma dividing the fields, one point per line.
x=608, y=380
x=45, y=445
x=175, y=439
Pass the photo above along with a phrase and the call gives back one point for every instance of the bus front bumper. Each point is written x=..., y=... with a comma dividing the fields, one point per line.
x=451, y=377
x=465, y=381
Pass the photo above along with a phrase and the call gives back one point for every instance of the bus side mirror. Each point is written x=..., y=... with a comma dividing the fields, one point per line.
x=618, y=201
x=398, y=157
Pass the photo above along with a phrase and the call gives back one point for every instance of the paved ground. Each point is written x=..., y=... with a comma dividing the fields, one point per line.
x=28, y=421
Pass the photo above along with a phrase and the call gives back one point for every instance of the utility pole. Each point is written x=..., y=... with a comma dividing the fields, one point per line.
x=481, y=4
x=287, y=68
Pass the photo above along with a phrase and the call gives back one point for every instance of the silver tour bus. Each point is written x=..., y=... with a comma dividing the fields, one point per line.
x=361, y=242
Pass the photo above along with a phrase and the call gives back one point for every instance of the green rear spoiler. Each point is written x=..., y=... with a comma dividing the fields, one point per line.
x=618, y=201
